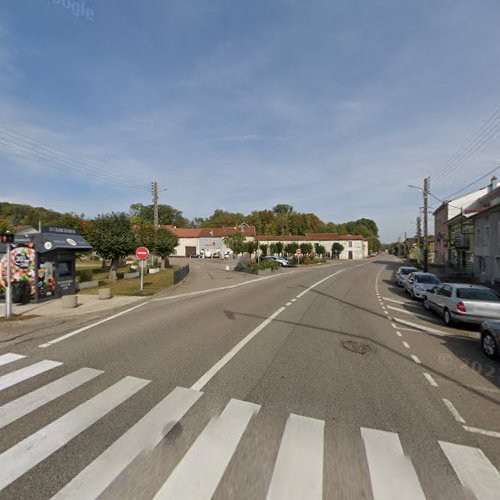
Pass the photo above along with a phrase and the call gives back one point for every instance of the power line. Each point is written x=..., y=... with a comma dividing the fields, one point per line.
x=479, y=139
x=473, y=182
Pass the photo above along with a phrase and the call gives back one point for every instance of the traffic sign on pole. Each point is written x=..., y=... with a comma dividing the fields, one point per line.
x=299, y=251
x=142, y=253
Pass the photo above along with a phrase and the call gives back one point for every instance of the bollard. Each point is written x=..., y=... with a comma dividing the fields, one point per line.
x=104, y=293
x=69, y=301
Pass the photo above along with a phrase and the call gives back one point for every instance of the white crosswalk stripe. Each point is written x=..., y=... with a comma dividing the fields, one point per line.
x=474, y=470
x=298, y=472
x=30, y=451
x=391, y=471
x=10, y=357
x=26, y=373
x=147, y=433
x=198, y=473
x=13, y=410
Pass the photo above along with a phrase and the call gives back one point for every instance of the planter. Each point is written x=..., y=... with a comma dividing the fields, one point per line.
x=69, y=301
x=104, y=293
x=87, y=284
x=130, y=276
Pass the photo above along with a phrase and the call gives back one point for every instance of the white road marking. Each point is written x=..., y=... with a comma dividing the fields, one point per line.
x=399, y=334
x=205, y=378
x=482, y=431
x=430, y=379
x=392, y=474
x=415, y=358
x=19, y=407
x=88, y=327
x=30, y=371
x=321, y=281
x=424, y=328
x=474, y=470
x=406, y=344
x=401, y=302
x=198, y=473
x=453, y=411
x=298, y=472
x=145, y=434
x=288, y=304
x=393, y=325
x=9, y=358
x=29, y=452
x=411, y=313
x=385, y=312
x=294, y=300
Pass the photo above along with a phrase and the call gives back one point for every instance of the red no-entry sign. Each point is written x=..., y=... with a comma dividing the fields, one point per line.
x=299, y=251
x=142, y=253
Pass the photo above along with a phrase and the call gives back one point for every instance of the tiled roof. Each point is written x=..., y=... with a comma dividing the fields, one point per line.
x=311, y=237
x=210, y=231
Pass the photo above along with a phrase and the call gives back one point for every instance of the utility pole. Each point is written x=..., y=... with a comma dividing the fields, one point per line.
x=426, y=224
x=154, y=188
x=419, y=236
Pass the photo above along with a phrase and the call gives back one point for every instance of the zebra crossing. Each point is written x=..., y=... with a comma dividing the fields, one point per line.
x=298, y=470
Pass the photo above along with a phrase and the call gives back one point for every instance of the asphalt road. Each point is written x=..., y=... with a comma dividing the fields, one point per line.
x=325, y=382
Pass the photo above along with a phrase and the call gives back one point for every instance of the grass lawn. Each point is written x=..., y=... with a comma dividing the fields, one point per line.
x=153, y=283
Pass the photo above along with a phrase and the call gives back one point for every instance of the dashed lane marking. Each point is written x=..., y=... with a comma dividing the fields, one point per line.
x=453, y=411
x=415, y=358
x=430, y=379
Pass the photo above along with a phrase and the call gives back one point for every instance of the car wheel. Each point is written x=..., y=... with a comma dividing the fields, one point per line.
x=448, y=320
x=412, y=295
x=427, y=305
x=489, y=345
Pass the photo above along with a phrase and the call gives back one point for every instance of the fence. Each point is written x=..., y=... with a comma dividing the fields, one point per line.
x=181, y=273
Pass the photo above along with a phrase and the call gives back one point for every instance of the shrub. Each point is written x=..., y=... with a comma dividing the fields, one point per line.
x=85, y=275
x=266, y=264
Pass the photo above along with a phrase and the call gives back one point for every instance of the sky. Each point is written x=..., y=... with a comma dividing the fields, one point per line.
x=334, y=107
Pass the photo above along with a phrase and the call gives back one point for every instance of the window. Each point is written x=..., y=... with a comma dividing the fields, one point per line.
x=482, y=264
x=478, y=236
x=477, y=294
x=486, y=235
x=428, y=279
x=445, y=291
x=64, y=269
x=350, y=243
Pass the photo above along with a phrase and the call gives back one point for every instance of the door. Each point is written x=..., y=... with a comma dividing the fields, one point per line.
x=440, y=299
x=190, y=251
x=350, y=254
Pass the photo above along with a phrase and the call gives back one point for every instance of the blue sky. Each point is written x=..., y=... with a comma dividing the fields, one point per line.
x=331, y=106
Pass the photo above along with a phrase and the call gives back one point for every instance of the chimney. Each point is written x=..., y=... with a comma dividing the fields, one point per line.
x=493, y=184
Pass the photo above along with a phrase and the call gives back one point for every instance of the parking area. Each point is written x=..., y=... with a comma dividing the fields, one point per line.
x=451, y=355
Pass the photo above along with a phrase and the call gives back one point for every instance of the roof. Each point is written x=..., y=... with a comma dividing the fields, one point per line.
x=183, y=232
x=311, y=237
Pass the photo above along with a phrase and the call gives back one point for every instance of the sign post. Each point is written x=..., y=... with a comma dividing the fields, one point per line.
x=142, y=254
x=299, y=251
x=8, y=238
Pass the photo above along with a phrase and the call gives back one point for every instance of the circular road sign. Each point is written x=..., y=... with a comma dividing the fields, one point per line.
x=299, y=251
x=142, y=253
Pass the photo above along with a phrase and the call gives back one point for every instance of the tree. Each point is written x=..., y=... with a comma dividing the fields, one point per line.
x=165, y=243
x=263, y=249
x=272, y=249
x=306, y=248
x=291, y=248
x=112, y=238
x=279, y=247
x=250, y=247
x=167, y=215
x=319, y=249
x=235, y=242
x=283, y=209
x=337, y=249
x=222, y=218
x=5, y=225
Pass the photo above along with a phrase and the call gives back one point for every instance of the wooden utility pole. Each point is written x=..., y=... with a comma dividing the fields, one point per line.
x=155, y=205
x=419, y=236
x=426, y=226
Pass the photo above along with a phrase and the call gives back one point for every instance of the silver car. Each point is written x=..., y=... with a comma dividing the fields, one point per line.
x=457, y=302
x=490, y=338
x=418, y=284
x=402, y=273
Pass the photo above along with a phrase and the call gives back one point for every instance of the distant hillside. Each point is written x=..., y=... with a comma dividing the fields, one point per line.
x=14, y=214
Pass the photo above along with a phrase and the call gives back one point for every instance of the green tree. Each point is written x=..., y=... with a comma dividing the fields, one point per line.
x=167, y=215
x=235, y=242
x=337, y=249
x=5, y=225
x=146, y=236
x=165, y=243
x=279, y=247
x=306, y=248
x=283, y=209
x=250, y=247
x=264, y=249
x=319, y=249
x=112, y=238
x=272, y=249
x=291, y=248
x=222, y=218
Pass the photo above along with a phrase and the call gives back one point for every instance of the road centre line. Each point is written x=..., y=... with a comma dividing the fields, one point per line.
x=429, y=378
x=415, y=358
x=393, y=325
x=288, y=304
x=406, y=344
x=399, y=334
x=453, y=411
x=204, y=379
x=482, y=431
x=294, y=300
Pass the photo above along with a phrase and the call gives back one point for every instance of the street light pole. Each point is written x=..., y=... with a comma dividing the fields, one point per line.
x=426, y=224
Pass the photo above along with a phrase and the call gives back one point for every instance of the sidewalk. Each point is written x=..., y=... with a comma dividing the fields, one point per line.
x=86, y=304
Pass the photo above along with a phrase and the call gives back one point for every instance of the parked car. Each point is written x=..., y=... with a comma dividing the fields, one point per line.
x=457, y=302
x=282, y=261
x=402, y=273
x=490, y=338
x=418, y=283
x=196, y=256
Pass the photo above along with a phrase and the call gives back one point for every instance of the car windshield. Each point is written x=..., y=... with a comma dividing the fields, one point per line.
x=428, y=279
x=481, y=294
x=407, y=270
